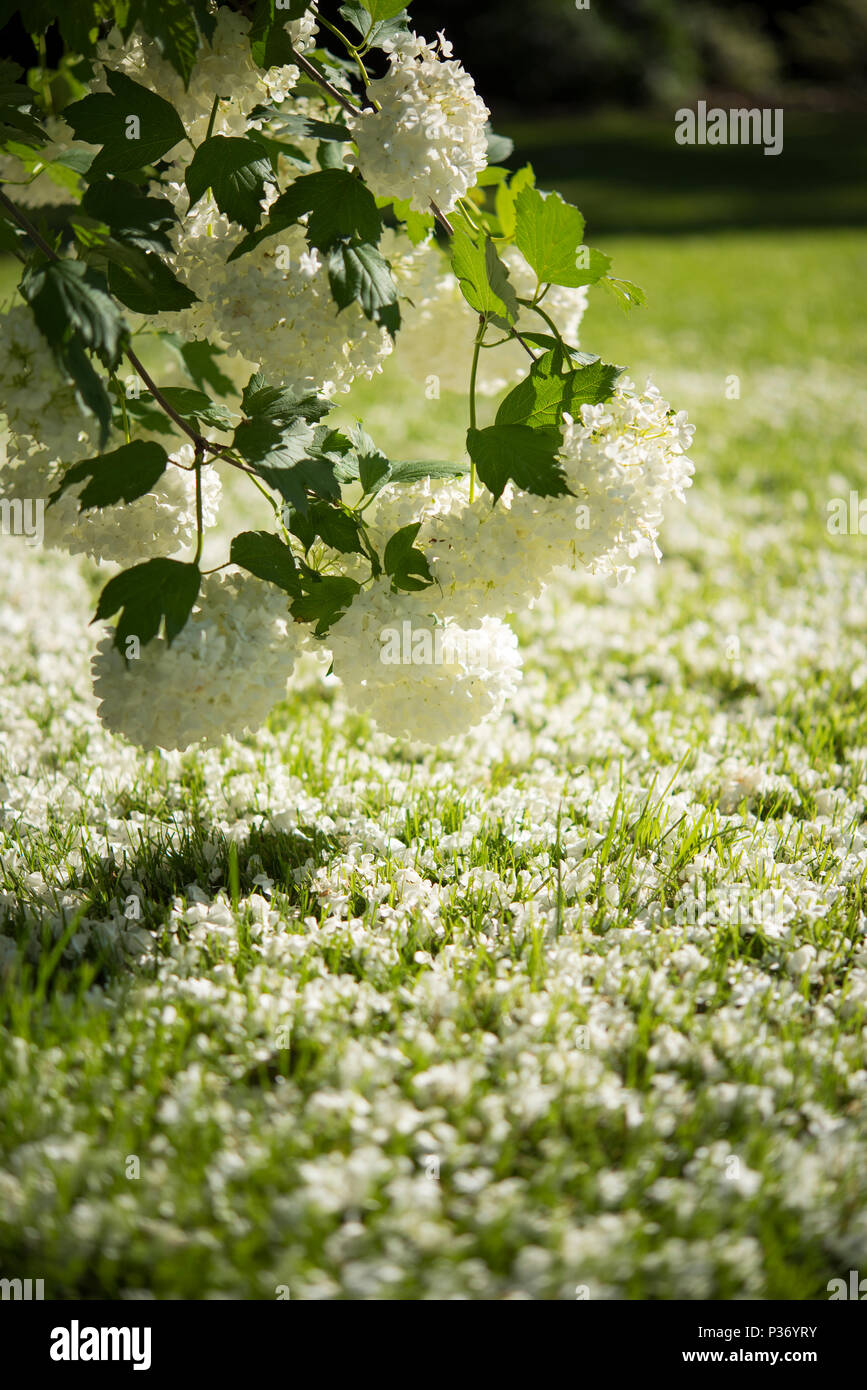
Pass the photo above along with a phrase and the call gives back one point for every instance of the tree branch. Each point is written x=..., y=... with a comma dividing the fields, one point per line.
x=442, y=219
x=317, y=77
x=524, y=345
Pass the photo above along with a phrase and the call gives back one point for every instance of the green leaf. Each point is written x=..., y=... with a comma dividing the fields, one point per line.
x=303, y=126
x=506, y=197
x=145, y=284
x=366, y=463
x=550, y=232
x=380, y=10
x=133, y=217
x=376, y=32
x=121, y=476
x=281, y=455
x=336, y=448
x=270, y=44
x=415, y=470
x=10, y=235
x=277, y=438
x=90, y=390
x=67, y=298
x=197, y=407
x=326, y=598
x=16, y=104
x=139, y=279
x=374, y=471
x=591, y=264
x=199, y=357
x=207, y=19
x=281, y=403
x=277, y=149
x=358, y=16
x=629, y=296
x=565, y=351
x=266, y=556
x=146, y=595
x=361, y=460
x=339, y=204
x=329, y=155
x=483, y=278
x=408, y=472
x=417, y=224
x=336, y=527
x=235, y=170
x=407, y=566
x=358, y=272
x=77, y=161
x=134, y=126
x=77, y=23
x=172, y=23
x=491, y=175
x=526, y=456
x=142, y=410
x=543, y=395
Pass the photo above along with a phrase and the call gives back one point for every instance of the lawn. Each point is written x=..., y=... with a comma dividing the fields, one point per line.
x=576, y=1006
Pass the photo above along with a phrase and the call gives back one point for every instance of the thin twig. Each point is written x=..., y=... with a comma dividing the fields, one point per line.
x=442, y=219
x=200, y=529
x=524, y=345
x=160, y=398
x=317, y=77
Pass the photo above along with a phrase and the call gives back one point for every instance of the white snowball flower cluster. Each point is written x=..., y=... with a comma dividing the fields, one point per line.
x=47, y=433
x=273, y=307
x=224, y=68
x=38, y=404
x=427, y=141
x=302, y=32
x=222, y=674
x=623, y=461
x=434, y=663
x=160, y=522
x=421, y=675
x=439, y=327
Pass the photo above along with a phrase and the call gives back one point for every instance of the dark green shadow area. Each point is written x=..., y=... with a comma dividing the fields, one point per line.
x=627, y=174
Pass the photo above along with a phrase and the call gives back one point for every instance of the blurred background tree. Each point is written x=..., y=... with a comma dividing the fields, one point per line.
x=656, y=52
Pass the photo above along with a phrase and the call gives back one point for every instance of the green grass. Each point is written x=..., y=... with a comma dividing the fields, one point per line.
x=286, y=1084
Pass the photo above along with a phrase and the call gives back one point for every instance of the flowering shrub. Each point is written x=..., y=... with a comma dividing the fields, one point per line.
x=280, y=220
